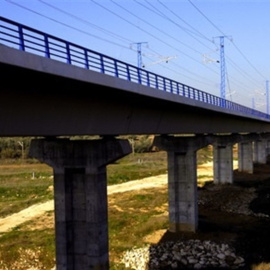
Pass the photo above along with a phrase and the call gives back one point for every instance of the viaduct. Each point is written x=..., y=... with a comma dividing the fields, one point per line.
x=51, y=88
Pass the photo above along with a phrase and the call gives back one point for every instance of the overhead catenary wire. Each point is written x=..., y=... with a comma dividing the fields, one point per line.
x=157, y=28
x=64, y=24
x=214, y=25
x=194, y=30
x=105, y=31
x=220, y=31
x=85, y=32
x=154, y=9
x=250, y=77
x=180, y=67
x=121, y=38
x=152, y=35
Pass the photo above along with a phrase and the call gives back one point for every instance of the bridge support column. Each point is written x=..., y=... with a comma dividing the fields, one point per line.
x=267, y=148
x=260, y=151
x=245, y=160
x=182, y=180
x=223, y=160
x=80, y=186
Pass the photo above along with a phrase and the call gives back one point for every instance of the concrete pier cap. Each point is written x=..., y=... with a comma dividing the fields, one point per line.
x=77, y=153
x=80, y=197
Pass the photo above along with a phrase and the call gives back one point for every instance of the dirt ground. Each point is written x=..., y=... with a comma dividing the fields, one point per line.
x=235, y=214
x=33, y=211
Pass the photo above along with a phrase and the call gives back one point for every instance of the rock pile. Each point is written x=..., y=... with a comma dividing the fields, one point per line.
x=191, y=254
x=238, y=202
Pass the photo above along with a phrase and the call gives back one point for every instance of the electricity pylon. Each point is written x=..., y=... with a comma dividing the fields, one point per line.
x=267, y=96
x=139, y=52
x=222, y=68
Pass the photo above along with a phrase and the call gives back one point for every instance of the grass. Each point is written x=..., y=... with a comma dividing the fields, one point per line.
x=137, y=166
x=132, y=215
x=261, y=266
x=21, y=249
x=19, y=189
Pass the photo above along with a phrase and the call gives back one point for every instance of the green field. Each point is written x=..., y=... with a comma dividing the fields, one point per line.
x=31, y=244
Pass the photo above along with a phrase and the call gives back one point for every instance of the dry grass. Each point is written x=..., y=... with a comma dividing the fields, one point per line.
x=261, y=266
x=132, y=215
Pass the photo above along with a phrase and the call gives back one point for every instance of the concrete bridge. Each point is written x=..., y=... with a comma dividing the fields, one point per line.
x=52, y=88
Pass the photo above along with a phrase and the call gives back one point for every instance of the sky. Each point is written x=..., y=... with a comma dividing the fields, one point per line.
x=179, y=39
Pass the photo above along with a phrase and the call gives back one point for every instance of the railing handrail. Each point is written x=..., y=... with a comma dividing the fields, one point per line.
x=31, y=40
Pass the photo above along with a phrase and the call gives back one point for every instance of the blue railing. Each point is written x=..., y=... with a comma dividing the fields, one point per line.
x=30, y=40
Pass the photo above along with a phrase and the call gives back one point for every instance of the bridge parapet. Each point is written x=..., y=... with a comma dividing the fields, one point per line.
x=34, y=41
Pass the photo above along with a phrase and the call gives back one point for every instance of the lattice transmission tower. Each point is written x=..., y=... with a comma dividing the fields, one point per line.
x=222, y=67
x=139, y=52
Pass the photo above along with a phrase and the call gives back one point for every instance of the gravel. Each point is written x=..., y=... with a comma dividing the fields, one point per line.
x=191, y=254
x=197, y=254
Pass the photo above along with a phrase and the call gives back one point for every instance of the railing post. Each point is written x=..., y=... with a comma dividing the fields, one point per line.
x=148, y=79
x=128, y=73
x=22, y=46
x=164, y=84
x=116, y=69
x=47, y=46
x=207, y=98
x=177, y=89
x=197, y=94
x=156, y=81
x=86, y=59
x=68, y=53
x=171, y=85
x=139, y=76
x=188, y=91
x=102, y=70
x=184, y=90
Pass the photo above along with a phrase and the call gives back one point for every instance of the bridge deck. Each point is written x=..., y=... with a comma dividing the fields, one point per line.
x=44, y=97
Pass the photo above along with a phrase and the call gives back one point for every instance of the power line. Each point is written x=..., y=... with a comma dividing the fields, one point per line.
x=218, y=29
x=195, y=31
x=248, y=61
x=157, y=28
x=74, y=28
x=161, y=40
x=86, y=22
x=160, y=11
x=165, y=17
x=64, y=24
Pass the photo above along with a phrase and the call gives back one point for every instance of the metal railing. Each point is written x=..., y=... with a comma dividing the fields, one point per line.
x=30, y=40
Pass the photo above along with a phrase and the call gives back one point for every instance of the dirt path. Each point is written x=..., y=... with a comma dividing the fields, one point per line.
x=29, y=213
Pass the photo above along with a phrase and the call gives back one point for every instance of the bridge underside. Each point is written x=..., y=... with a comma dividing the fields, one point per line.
x=43, y=97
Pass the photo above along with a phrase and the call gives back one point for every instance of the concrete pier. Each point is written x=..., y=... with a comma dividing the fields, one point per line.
x=245, y=157
x=260, y=151
x=182, y=180
x=80, y=186
x=223, y=159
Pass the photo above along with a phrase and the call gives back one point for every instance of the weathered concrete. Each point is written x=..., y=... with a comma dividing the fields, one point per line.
x=260, y=151
x=223, y=158
x=182, y=180
x=245, y=157
x=267, y=147
x=223, y=163
x=80, y=186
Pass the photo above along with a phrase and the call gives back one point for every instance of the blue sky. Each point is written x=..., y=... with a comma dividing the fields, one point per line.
x=184, y=32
